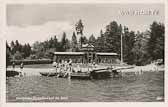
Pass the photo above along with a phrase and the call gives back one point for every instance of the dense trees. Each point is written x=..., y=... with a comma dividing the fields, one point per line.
x=156, y=41
x=92, y=40
x=139, y=51
x=65, y=44
x=100, y=43
x=18, y=51
x=113, y=37
x=128, y=45
x=139, y=48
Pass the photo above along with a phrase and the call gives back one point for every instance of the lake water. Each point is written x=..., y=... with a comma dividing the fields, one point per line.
x=147, y=87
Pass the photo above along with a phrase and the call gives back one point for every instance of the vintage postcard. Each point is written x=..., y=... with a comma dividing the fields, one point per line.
x=85, y=52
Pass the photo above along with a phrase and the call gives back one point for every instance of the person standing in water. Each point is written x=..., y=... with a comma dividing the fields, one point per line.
x=13, y=65
x=65, y=68
x=21, y=68
x=70, y=68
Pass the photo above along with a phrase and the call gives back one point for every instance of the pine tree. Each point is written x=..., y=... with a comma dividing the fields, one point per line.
x=63, y=42
x=128, y=43
x=99, y=44
x=92, y=39
x=74, y=43
x=55, y=43
x=156, y=41
x=112, y=37
x=13, y=50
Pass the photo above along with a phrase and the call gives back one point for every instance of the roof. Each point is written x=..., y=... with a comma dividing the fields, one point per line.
x=68, y=53
x=106, y=53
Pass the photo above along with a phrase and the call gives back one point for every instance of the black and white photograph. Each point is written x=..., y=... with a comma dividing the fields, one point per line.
x=85, y=52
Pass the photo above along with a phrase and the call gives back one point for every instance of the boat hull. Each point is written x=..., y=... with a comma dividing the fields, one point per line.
x=48, y=74
x=100, y=75
x=80, y=75
x=12, y=73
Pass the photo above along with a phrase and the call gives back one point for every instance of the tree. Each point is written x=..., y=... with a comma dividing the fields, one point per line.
x=113, y=37
x=156, y=41
x=83, y=40
x=74, y=43
x=17, y=46
x=13, y=50
x=55, y=43
x=128, y=43
x=67, y=45
x=38, y=49
x=17, y=55
x=8, y=54
x=46, y=45
x=64, y=43
x=26, y=50
x=92, y=39
x=29, y=49
x=140, y=50
x=100, y=43
x=36, y=46
x=51, y=43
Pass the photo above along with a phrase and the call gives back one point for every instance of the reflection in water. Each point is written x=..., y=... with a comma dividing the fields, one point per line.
x=146, y=87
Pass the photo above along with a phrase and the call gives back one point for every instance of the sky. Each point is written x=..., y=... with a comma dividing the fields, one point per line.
x=38, y=22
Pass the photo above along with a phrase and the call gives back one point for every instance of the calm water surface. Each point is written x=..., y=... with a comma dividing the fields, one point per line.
x=146, y=87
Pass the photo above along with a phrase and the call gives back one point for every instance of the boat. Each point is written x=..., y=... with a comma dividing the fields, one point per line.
x=92, y=74
x=12, y=73
x=100, y=73
x=80, y=75
x=48, y=74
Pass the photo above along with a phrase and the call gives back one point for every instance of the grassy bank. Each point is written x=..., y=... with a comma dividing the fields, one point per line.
x=35, y=66
x=31, y=62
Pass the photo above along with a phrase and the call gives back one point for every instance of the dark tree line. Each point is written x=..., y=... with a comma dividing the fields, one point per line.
x=155, y=45
x=17, y=50
x=139, y=48
x=43, y=49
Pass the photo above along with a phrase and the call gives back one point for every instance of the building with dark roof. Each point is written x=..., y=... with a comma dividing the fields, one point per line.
x=86, y=55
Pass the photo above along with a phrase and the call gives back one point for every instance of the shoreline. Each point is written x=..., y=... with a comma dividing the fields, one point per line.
x=36, y=69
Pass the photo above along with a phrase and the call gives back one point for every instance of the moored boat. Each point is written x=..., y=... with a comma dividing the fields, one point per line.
x=48, y=74
x=100, y=74
x=80, y=75
x=12, y=73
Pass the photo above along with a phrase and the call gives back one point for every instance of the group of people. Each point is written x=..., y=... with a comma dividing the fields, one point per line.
x=66, y=67
x=63, y=68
